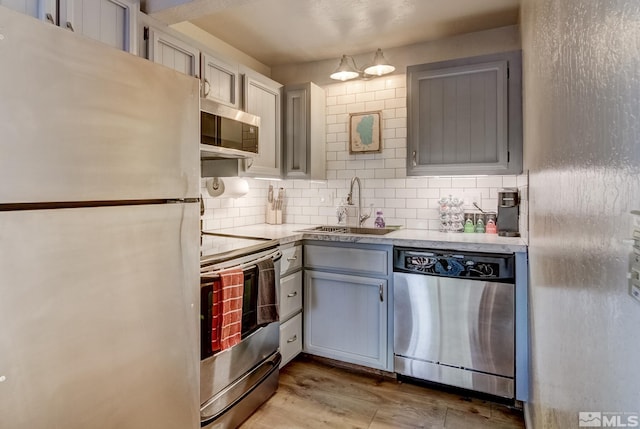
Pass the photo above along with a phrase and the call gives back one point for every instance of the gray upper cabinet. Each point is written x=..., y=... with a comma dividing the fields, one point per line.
x=465, y=116
x=220, y=80
x=165, y=49
x=41, y=9
x=304, y=132
x=262, y=97
x=112, y=22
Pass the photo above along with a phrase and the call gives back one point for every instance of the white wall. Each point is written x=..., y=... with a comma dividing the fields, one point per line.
x=582, y=140
x=408, y=201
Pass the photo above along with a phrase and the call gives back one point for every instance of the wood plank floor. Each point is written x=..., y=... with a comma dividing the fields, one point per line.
x=315, y=395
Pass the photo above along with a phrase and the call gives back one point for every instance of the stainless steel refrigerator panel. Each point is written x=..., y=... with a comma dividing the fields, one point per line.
x=456, y=322
x=100, y=317
x=83, y=122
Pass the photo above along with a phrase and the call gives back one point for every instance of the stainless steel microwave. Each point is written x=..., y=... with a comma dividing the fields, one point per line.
x=226, y=132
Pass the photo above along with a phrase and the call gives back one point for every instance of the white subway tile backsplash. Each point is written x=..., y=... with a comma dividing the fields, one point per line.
x=371, y=106
x=336, y=109
x=463, y=182
x=394, y=103
x=337, y=89
x=385, y=94
x=354, y=87
x=375, y=85
x=509, y=181
x=406, y=193
x=356, y=107
x=336, y=128
x=439, y=182
x=412, y=202
x=365, y=96
x=489, y=182
x=346, y=99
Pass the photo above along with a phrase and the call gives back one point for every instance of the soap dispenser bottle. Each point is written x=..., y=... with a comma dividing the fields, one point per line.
x=379, y=222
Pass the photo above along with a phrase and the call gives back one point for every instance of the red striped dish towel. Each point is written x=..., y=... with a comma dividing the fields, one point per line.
x=232, y=283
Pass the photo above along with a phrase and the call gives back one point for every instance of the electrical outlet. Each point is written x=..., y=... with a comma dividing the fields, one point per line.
x=470, y=197
x=325, y=197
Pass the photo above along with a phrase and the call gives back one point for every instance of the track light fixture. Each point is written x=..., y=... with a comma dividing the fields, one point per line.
x=348, y=71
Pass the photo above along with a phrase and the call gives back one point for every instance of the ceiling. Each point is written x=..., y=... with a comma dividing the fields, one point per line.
x=277, y=32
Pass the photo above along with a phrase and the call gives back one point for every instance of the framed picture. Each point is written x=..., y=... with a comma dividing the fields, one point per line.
x=365, y=132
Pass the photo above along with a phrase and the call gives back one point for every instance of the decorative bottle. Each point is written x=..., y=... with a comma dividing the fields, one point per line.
x=379, y=222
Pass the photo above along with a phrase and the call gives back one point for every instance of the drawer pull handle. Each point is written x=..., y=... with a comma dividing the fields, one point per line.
x=292, y=294
x=292, y=258
x=292, y=339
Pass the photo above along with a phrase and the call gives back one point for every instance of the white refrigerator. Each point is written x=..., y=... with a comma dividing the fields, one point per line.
x=99, y=235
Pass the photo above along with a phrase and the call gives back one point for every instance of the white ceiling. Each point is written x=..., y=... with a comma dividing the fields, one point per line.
x=277, y=32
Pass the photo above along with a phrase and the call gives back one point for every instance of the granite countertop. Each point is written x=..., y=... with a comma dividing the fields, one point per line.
x=421, y=238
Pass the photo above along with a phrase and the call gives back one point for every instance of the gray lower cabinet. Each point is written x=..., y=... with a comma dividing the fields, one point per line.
x=304, y=132
x=290, y=302
x=112, y=22
x=346, y=312
x=465, y=116
x=262, y=97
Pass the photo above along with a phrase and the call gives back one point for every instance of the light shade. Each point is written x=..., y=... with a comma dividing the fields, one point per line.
x=345, y=71
x=380, y=65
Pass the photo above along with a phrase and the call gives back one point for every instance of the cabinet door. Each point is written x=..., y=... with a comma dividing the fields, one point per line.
x=304, y=139
x=110, y=21
x=345, y=318
x=172, y=52
x=465, y=116
x=220, y=80
x=296, y=111
x=41, y=9
x=262, y=98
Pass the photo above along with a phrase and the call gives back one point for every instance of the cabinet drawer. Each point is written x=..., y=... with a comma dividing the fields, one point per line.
x=290, y=339
x=291, y=259
x=290, y=295
x=348, y=259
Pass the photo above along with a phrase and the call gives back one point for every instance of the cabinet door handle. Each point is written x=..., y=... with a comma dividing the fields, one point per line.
x=415, y=159
x=207, y=87
x=292, y=258
x=292, y=294
x=381, y=292
x=70, y=26
x=292, y=339
x=49, y=18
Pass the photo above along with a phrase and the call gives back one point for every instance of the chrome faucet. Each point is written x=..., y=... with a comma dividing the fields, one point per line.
x=361, y=217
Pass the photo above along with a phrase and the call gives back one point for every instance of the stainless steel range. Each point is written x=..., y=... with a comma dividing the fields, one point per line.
x=236, y=381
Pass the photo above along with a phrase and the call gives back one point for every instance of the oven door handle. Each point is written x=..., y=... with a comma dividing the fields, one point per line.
x=239, y=387
x=276, y=256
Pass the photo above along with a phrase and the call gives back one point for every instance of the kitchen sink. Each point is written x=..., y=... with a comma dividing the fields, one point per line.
x=336, y=229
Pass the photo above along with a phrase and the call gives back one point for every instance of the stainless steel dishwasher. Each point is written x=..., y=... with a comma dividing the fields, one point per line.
x=454, y=318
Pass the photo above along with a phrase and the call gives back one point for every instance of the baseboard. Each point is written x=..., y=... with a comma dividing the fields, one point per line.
x=527, y=416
